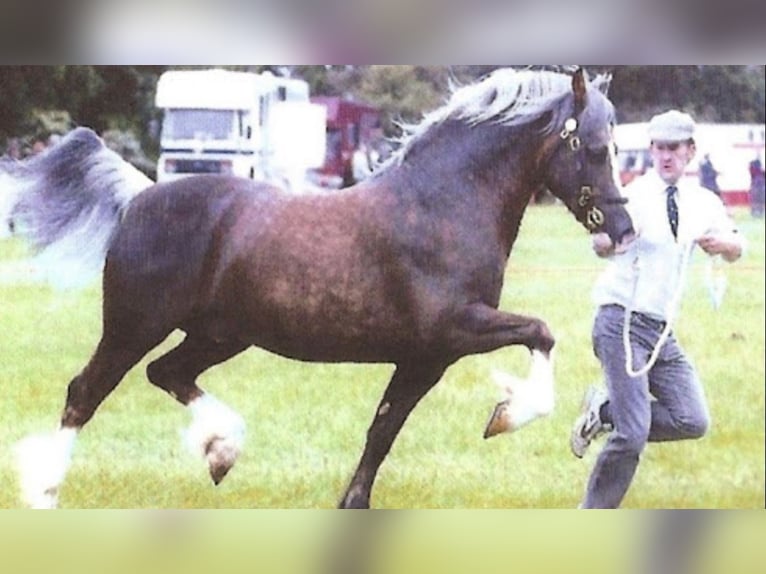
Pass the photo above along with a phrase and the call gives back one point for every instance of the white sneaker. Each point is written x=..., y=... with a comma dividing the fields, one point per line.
x=588, y=425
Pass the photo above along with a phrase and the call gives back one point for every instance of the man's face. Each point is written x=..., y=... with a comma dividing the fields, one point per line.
x=671, y=158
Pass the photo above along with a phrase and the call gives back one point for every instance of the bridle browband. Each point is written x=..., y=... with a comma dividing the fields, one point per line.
x=589, y=213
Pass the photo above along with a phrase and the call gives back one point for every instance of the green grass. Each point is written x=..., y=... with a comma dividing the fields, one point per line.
x=307, y=423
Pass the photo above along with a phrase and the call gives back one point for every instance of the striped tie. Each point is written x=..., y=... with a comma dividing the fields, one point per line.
x=672, y=209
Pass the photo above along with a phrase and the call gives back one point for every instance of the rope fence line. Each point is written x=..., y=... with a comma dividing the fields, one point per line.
x=22, y=272
x=734, y=268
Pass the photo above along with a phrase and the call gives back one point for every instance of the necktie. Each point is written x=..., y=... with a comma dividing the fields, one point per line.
x=672, y=209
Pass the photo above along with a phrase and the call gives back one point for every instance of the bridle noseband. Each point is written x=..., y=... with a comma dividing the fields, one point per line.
x=589, y=213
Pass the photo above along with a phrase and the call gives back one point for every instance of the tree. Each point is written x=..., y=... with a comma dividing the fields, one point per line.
x=23, y=89
x=711, y=93
x=122, y=97
x=101, y=97
x=403, y=93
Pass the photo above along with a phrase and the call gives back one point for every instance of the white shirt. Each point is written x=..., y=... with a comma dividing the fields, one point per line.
x=646, y=277
x=362, y=163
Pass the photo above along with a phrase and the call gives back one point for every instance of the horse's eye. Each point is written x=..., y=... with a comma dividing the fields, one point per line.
x=597, y=155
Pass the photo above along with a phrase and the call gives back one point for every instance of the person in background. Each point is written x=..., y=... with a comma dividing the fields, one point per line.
x=363, y=162
x=757, y=185
x=645, y=401
x=13, y=149
x=709, y=175
x=38, y=147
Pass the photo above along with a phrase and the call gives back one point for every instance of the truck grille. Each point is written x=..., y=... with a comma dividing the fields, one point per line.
x=198, y=166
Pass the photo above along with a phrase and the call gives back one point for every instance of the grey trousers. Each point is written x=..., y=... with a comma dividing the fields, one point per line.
x=666, y=404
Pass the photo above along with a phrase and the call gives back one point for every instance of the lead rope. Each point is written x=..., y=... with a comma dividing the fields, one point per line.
x=670, y=317
x=715, y=277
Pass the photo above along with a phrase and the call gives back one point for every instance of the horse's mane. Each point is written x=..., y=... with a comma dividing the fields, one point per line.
x=506, y=97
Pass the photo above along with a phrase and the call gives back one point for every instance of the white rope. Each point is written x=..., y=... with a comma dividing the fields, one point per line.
x=715, y=277
x=671, y=316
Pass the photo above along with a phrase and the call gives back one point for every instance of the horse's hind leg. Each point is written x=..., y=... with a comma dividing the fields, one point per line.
x=43, y=460
x=217, y=432
x=409, y=384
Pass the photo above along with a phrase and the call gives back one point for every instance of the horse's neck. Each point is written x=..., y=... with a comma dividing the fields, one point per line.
x=463, y=169
x=501, y=165
x=486, y=154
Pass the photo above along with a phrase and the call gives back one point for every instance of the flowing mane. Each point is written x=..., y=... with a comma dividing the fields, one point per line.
x=506, y=96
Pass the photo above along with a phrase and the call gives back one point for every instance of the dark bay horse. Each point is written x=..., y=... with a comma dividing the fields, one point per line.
x=405, y=268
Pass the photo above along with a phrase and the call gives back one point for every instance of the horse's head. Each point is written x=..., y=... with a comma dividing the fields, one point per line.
x=580, y=169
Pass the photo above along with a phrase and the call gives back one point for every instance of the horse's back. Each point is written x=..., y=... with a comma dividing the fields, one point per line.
x=227, y=257
x=175, y=221
x=158, y=260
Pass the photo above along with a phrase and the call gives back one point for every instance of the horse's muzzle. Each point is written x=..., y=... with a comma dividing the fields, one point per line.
x=622, y=244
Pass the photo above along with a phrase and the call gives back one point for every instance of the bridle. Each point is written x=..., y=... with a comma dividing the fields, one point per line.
x=587, y=211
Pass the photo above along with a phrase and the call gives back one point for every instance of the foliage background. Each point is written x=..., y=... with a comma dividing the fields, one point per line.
x=36, y=101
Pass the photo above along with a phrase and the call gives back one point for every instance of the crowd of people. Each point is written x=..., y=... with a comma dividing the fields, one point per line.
x=708, y=178
x=15, y=148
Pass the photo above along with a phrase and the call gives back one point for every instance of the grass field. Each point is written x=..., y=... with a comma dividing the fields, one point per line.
x=307, y=423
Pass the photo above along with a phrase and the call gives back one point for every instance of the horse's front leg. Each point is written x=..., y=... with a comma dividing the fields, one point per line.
x=409, y=384
x=480, y=329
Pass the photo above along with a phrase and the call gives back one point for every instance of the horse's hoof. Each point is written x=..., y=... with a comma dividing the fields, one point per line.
x=217, y=433
x=221, y=454
x=498, y=422
x=218, y=473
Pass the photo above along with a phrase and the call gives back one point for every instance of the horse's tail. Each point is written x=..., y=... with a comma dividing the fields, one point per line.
x=68, y=203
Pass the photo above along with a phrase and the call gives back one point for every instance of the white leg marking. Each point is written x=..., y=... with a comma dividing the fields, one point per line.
x=527, y=399
x=42, y=462
x=217, y=433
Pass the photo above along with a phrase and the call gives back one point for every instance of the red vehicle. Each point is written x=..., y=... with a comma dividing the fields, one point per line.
x=348, y=124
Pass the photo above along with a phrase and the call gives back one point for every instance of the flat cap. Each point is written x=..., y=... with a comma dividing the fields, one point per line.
x=672, y=126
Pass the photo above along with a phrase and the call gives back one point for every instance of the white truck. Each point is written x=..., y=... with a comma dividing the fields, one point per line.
x=251, y=125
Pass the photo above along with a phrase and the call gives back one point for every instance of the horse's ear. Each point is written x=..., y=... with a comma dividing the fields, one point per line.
x=580, y=90
x=604, y=84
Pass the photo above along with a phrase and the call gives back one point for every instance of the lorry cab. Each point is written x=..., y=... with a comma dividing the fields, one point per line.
x=236, y=123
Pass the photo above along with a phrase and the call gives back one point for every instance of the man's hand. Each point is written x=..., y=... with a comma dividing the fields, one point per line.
x=727, y=246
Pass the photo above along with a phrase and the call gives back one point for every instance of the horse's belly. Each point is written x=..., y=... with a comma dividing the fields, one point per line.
x=329, y=333
x=331, y=349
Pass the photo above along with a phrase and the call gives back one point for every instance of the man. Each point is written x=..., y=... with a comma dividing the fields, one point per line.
x=658, y=398
x=756, y=187
x=709, y=175
x=363, y=162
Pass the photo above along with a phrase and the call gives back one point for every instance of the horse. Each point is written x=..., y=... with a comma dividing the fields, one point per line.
x=405, y=268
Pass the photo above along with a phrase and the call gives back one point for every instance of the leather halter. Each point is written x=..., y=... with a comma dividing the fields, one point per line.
x=590, y=214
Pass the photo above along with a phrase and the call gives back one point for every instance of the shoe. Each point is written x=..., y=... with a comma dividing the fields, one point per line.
x=588, y=425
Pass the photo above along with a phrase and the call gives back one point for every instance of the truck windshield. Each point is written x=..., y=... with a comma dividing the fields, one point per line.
x=184, y=124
